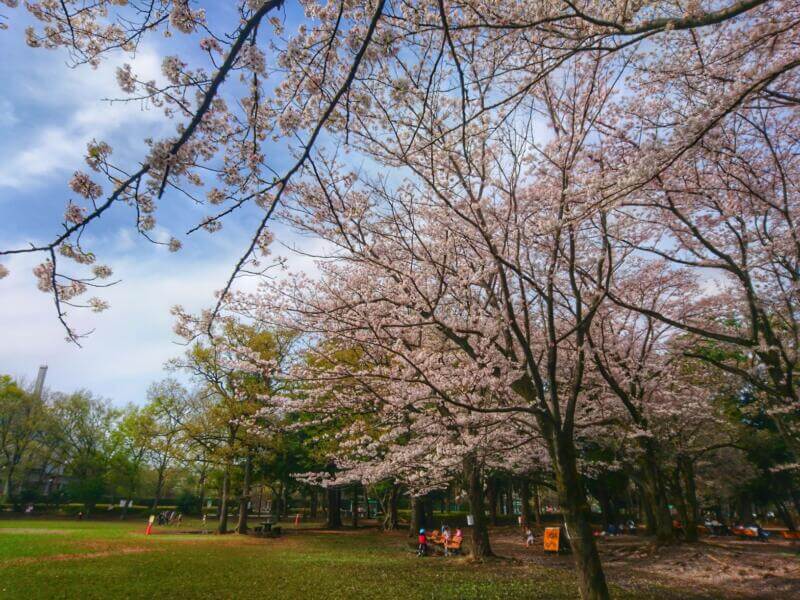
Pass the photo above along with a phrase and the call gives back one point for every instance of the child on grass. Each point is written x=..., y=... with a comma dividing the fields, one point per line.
x=528, y=537
x=422, y=550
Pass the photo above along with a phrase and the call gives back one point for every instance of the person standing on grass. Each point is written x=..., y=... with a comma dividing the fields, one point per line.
x=528, y=537
x=422, y=549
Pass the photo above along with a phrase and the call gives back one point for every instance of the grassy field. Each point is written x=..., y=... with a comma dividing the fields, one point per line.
x=95, y=559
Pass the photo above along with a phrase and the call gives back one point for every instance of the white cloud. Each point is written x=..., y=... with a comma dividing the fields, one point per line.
x=70, y=111
x=133, y=339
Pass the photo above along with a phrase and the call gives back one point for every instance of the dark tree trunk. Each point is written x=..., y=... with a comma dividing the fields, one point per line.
x=391, y=521
x=690, y=524
x=491, y=498
x=645, y=507
x=655, y=494
x=510, y=499
x=284, y=499
x=481, y=548
x=537, y=505
x=606, y=510
x=575, y=506
x=159, y=485
x=202, y=491
x=525, y=501
x=428, y=508
x=744, y=509
x=785, y=515
x=8, y=482
x=313, y=504
x=244, y=500
x=354, y=506
x=417, y=515
x=334, y=504
x=223, y=501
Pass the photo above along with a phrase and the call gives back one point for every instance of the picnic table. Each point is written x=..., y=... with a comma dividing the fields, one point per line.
x=266, y=527
x=454, y=545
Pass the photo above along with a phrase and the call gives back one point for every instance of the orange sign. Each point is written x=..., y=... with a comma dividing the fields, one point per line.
x=552, y=537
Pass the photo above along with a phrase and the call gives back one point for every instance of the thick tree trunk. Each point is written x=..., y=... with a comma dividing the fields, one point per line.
x=9, y=480
x=690, y=494
x=334, y=503
x=645, y=507
x=481, y=548
x=222, y=527
x=573, y=500
x=655, y=495
x=417, y=515
x=159, y=486
x=244, y=500
x=391, y=520
x=313, y=505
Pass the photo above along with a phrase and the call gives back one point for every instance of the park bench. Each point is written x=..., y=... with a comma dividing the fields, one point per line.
x=790, y=535
x=744, y=532
x=454, y=546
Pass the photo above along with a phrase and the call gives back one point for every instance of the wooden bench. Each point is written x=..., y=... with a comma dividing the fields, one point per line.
x=744, y=532
x=454, y=546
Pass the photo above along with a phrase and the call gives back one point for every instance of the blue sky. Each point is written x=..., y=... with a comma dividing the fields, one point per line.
x=48, y=113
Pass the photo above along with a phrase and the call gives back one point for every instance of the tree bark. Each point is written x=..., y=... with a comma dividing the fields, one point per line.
x=334, y=520
x=573, y=500
x=785, y=515
x=202, y=491
x=159, y=484
x=313, y=505
x=8, y=481
x=655, y=495
x=223, y=501
x=391, y=521
x=537, y=505
x=354, y=506
x=690, y=494
x=525, y=501
x=491, y=498
x=417, y=515
x=244, y=500
x=481, y=548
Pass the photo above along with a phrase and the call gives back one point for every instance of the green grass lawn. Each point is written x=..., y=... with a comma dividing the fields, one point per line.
x=92, y=559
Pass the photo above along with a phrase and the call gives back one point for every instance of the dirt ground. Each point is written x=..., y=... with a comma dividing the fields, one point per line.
x=715, y=567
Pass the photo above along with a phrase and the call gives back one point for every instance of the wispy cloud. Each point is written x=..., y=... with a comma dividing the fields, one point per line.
x=65, y=109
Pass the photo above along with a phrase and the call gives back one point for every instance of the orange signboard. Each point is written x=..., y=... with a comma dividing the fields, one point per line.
x=552, y=537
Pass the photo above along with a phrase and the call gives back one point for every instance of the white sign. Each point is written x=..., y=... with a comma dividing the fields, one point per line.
x=470, y=520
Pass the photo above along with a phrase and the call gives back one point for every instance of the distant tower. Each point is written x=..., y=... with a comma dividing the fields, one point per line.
x=37, y=390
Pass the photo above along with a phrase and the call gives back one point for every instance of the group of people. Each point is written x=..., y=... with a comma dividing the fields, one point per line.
x=445, y=538
x=628, y=527
x=170, y=517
